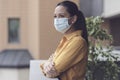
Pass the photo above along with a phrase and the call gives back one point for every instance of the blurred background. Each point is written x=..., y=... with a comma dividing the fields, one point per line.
x=27, y=31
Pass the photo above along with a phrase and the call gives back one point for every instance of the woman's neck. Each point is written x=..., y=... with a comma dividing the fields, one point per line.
x=70, y=30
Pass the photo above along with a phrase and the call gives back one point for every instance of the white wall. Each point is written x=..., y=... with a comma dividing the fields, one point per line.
x=111, y=8
x=14, y=74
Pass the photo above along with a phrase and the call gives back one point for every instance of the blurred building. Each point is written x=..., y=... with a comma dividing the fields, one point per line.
x=110, y=11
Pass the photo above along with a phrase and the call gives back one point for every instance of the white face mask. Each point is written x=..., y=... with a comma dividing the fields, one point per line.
x=61, y=24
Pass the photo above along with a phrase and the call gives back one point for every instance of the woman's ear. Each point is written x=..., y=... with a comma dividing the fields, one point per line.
x=74, y=19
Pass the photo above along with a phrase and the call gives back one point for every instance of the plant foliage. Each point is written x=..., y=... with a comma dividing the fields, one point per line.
x=101, y=62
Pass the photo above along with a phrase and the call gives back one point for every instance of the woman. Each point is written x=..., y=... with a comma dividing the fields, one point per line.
x=70, y=58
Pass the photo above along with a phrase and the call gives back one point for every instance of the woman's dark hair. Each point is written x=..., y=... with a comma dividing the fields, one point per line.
x=80, y=24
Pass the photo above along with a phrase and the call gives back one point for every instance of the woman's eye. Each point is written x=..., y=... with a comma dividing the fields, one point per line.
x=62, y=16
x=59, y=16
x=55, y=16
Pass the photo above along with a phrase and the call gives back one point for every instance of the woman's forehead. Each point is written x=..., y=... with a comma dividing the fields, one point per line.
x=60, y=9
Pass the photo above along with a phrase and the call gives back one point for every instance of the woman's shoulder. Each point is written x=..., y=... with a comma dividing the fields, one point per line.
x=79, y=40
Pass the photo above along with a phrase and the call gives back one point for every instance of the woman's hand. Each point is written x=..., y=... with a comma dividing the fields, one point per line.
x=49, y=69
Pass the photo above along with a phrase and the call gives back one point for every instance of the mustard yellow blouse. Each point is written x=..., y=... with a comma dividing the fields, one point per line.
x=70, y=57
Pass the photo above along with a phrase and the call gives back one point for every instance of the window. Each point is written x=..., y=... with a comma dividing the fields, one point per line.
x=115, y=31
x=13, y=30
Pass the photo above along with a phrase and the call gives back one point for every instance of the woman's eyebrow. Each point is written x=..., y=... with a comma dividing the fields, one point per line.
x=59, y=13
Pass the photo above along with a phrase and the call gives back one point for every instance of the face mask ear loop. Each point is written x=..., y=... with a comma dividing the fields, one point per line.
x=70, y=23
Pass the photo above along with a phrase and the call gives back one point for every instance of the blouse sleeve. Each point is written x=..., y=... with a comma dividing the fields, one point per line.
x=72, y=54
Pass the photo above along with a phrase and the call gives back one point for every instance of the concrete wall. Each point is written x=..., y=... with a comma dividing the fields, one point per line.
x=13, y=9
x=34, y=28
x=91, y=7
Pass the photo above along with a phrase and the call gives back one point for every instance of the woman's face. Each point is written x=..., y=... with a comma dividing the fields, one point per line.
x=61, y=12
